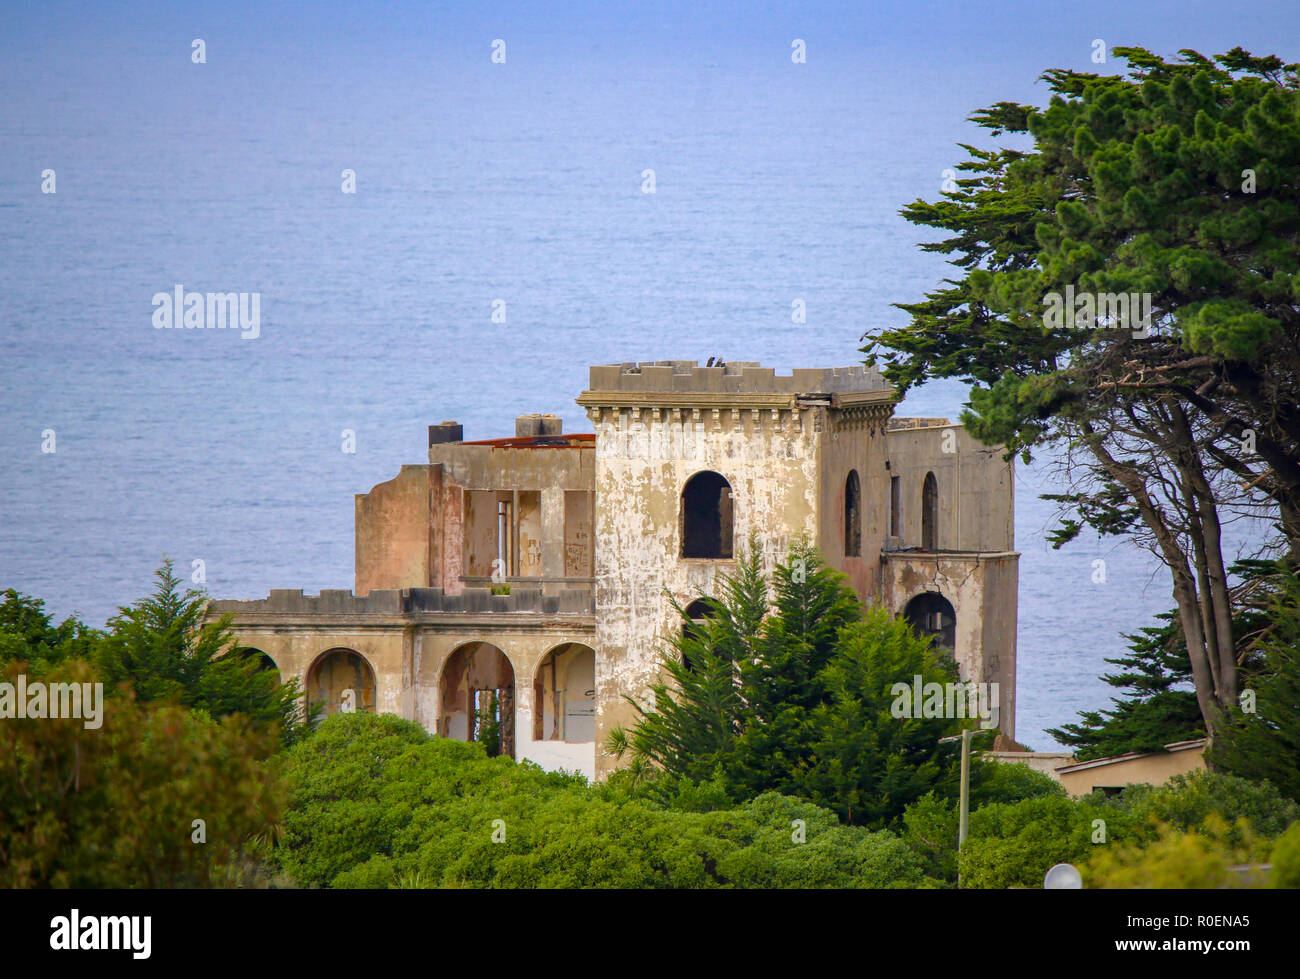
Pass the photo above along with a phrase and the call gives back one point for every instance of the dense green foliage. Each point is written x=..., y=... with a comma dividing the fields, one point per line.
x=1186, y=801
x=1200, y=858
x=797, y=700
x=1013, y=843
x=376, y=802
x=368, y=800
x=159, y=649
x=28, y=635
x=115, y=806
x=1265, y=743
x=188, y=732
x=1286, y=859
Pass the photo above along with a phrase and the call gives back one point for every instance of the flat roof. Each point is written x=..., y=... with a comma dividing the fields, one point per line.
x=1116, y=759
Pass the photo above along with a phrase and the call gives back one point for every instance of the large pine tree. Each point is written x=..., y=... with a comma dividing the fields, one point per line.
x=793, y=693
x=1174, y=185
x=163, y=648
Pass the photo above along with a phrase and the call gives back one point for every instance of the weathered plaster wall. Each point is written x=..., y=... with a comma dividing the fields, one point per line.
x=392, y=525
x=976, y=488
x=579, y=517
x=642, y=465
x=979, y=587
x=1000, y=614
x=855, y=442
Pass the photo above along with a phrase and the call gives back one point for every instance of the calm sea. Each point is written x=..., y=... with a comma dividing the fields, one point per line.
x=476, y=182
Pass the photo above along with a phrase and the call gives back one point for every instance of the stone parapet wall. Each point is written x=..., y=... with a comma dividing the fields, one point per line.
x=741, y=377
x=391, y=602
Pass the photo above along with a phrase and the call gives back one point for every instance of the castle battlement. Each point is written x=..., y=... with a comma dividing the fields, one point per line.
x=737, y=377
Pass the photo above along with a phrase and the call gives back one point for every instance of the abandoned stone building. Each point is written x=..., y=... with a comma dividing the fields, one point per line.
x=515, y=589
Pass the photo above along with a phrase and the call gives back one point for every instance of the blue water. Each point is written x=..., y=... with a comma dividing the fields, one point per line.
x=476, y=182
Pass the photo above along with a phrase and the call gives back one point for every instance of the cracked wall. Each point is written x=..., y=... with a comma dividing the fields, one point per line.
x=982, y=589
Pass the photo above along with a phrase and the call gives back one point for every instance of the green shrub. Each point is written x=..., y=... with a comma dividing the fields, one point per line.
x=1200, y=858
x=1187, y=800
x=1286, y=859
x=1001, y=781
x=375, y=802
x=116, y=806
x=1014, y=845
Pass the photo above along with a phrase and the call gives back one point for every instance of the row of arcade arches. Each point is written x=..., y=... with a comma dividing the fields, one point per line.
x=477, y=688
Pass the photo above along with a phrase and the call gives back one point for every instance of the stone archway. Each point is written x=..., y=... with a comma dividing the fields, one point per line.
x=564, y=695
x=477, y=697
x=341, y=680
x=930, y=614
x=264, y=661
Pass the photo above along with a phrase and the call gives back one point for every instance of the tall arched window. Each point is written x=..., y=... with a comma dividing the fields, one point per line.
x=706, y=516
x=852, y=515
x=930, y=514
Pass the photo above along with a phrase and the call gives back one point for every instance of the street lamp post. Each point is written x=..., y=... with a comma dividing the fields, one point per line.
x=963, y=818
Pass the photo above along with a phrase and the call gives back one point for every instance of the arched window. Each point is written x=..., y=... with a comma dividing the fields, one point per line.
x=930, y=513
x=706, y=516
x=852, y=515
x=930, y=614
x=693, y=628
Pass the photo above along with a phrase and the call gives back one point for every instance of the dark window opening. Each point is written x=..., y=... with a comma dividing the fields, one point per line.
x=696, y=613
x=852, y=516
x=930, y=513
x=895, y=507
x=706, y=516
x=930, y=614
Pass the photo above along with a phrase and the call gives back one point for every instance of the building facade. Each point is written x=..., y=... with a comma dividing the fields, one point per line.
x=515, y=590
